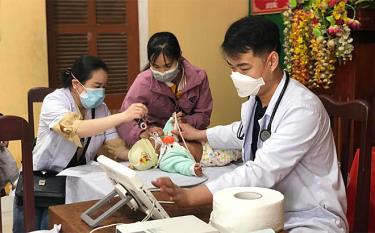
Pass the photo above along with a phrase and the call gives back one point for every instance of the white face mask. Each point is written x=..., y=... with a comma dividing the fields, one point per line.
x=246, y=85
x=167, y=76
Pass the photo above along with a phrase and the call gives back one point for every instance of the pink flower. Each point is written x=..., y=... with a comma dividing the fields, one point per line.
x=339, y=32
x=315, y=21
x=332, y=3
x=339, y=21
x=354, y=24
x=335, y=30
x=332, y=30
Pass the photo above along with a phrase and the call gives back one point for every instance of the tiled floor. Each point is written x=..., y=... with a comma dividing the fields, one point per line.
x=7, y=213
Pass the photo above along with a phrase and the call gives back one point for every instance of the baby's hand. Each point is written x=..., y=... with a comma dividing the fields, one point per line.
x=135, y=111
x=198, y=169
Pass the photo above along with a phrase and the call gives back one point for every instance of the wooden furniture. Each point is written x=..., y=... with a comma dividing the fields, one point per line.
x=2, y=193
x=343, y=115
x=17, y=128
x=356, y=79
x=69, y=215
x=35, y=95
x=107, y=29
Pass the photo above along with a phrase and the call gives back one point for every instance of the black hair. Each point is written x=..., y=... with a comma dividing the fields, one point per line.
x=82, y=69
x=254, y=33
x=163, y=43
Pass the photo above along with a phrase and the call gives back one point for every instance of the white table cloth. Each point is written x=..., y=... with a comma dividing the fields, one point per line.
x=89, y=182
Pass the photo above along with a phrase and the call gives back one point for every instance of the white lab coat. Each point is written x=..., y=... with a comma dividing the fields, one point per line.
x=299, y=160
x=52, y=151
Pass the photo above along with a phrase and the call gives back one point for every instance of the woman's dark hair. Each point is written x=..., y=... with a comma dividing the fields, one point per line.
x=82, y=69
x=253, y=33
x=163, y=43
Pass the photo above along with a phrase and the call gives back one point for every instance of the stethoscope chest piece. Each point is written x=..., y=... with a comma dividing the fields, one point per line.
x=264, y=135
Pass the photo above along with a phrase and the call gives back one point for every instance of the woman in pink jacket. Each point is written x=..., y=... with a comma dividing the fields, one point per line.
x=168, y=84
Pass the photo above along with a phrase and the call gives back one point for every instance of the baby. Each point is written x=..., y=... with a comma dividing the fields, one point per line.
x=164, y=150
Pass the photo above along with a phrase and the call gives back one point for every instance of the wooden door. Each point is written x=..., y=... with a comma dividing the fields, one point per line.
x=104, y=28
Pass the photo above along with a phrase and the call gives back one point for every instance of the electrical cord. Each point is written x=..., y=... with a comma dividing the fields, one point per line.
x=106, y=226
x=148, y=216
x=167, y=202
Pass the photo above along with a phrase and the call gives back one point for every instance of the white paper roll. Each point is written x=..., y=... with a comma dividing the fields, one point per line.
x=246, y=209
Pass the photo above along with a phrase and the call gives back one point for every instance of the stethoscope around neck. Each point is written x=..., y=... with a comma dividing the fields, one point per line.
x=265, y=134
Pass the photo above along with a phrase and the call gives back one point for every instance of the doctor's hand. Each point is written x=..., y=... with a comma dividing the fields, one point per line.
x=134, y=111
x=180, y=117
x=188, y=132
x=184, y=197
x=174, y=193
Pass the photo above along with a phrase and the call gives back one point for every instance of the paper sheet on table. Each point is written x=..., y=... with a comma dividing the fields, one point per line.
x=89, y=182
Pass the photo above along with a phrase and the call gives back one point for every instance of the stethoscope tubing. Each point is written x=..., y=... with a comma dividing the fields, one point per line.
x=267, y=131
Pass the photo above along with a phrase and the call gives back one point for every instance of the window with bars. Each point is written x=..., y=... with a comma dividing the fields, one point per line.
x=104, y=28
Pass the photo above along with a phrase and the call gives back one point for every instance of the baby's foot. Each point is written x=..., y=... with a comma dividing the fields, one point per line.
x=198, y=169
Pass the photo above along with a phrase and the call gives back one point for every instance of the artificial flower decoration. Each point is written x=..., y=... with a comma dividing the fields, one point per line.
x=317, y=35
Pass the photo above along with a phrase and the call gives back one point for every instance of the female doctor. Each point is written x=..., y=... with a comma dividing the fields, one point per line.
x=285, y=136
x=72, y=115
x=75, y=123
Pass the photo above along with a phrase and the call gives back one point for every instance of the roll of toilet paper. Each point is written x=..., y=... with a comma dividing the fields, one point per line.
x=246, y=209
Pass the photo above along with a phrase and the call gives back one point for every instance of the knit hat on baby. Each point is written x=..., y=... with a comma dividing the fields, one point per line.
x=142, y=155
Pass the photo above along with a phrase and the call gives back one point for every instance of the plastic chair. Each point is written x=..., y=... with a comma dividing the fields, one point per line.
x=35, y=95
x=344, y=116
x=17, y=128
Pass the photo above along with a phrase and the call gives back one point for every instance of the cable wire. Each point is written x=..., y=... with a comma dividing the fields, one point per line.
x=106, y=226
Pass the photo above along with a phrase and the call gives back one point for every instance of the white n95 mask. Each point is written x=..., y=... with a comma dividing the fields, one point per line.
x=246, y=85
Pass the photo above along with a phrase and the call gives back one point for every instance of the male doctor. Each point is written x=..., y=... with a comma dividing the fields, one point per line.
x=284, y=133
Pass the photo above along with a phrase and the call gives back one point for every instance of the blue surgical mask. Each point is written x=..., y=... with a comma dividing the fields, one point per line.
x=167, y=76
x=92, y=97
